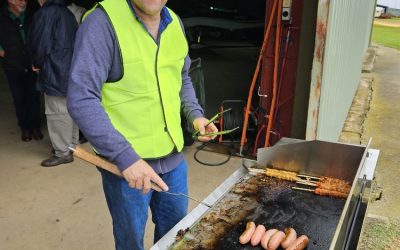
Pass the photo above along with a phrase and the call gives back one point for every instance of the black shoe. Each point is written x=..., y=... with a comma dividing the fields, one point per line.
x=55, y=161
x=26, y=135
x=37, y=134
x=82, y=138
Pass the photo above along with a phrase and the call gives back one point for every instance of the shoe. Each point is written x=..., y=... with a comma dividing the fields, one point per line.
x=55, y=161
x=26, y=135
x=37, y=134
x=82, y=138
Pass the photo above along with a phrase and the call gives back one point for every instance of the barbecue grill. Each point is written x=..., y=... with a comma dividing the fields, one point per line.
x=330, y=223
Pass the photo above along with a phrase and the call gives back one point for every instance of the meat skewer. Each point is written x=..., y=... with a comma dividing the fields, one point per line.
x=326, y=186
x=323, y=179
x=334, y=181
x=281, y=174
x=336, y=194
x=324, y=192
x=328, y=183
x=343, y=188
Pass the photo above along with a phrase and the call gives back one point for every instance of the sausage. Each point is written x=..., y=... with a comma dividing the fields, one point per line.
x=291, y=236
x=299, y=244
x=267, y=236
x=276, y=240
x=246, y=235
x=257, y=235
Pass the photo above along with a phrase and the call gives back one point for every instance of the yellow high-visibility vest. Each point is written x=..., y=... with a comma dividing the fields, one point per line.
x=144, y=105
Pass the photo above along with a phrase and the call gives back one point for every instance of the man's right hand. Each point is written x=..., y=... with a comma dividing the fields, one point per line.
x=2, y=53
x=140, y=175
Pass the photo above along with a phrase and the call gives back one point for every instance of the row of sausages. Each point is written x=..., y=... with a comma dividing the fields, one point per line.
x=271, y=239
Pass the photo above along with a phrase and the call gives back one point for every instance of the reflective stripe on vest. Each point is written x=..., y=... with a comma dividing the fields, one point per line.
x=144, y=106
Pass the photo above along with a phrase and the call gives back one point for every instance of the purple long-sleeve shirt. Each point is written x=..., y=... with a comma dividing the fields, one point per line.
x=96, y=61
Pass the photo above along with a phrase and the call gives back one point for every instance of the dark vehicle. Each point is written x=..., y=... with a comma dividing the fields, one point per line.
x=221, y=23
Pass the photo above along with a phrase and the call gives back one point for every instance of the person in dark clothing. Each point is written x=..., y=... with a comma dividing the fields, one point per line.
x=14, y=22
x=50, y=43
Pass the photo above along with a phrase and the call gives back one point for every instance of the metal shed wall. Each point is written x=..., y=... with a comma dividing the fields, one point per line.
x=337, y=70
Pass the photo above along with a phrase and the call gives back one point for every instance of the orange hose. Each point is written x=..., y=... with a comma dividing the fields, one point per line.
x=276, y=67
x=257, y=138
x=253, y=83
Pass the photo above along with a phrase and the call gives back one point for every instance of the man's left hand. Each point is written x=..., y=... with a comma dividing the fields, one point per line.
x=200, y=124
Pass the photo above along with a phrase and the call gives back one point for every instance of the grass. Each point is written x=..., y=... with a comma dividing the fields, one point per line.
x=386, y=36
x=380, y=235
x=390, y=20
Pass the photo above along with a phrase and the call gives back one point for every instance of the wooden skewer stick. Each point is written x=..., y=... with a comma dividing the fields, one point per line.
x=309, y=177
x=308, y=183
x=256, y=170
x=304, y=189
x=308, y=180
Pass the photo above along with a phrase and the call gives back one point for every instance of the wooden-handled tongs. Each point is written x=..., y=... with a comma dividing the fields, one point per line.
x=106, y=165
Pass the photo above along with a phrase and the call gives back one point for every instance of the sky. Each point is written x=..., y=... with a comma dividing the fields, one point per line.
x=391, y=3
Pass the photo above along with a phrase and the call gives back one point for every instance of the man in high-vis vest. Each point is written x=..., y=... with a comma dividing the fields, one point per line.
x=128, y=84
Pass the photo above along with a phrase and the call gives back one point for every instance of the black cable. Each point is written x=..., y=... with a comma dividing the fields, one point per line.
x=201, y=147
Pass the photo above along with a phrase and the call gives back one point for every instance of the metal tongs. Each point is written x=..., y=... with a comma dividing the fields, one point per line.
x=215, y=117
x=106, y=165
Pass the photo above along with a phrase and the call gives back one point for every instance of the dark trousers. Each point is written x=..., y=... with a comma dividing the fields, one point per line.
x=25, y=97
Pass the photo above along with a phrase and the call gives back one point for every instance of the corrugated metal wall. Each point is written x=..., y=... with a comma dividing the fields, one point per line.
x=347, y=38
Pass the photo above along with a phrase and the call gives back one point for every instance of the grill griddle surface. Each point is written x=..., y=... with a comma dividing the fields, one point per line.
x=269, y=202
x=314, y=216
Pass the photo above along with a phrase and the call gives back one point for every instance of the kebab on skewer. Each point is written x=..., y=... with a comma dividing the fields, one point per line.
x=324, y=192
x=325, y=186
x=280, y=174
x=342, y=186
x=321, y=182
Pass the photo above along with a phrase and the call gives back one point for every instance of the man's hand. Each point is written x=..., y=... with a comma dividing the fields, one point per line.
x=2, y=53
x=35, y=69
x=200, y=124
x=140, y=174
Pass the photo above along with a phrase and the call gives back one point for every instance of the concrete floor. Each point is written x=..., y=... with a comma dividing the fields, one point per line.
x=64, y=207
x=381, y=228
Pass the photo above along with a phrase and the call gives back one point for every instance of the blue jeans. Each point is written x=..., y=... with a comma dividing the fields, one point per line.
x=128, y=207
